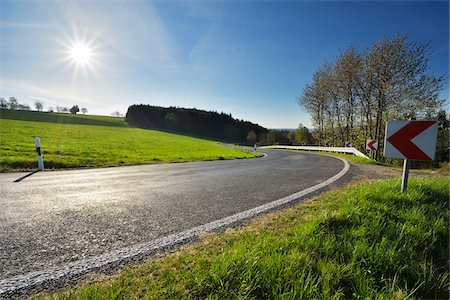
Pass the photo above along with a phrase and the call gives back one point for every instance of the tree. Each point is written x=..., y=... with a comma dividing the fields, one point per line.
x=74, y=109
x=50, y=109
x=39, y=106
x=301, y=136
x=352, y=98
x=116, y=114
x=171, y=120
x=64, y=109
x=3, y=103
x=84, y=110
x=59, y=108
x=13, y=103
x=251, y=137
x=442, y=148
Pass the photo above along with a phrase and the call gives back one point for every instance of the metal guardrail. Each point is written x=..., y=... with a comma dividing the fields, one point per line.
x=353, y=151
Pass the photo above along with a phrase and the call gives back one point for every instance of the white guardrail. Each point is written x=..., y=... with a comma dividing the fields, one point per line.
x=353, y=151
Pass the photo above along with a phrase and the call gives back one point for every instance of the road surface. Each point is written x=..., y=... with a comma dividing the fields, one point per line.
x=55, y=217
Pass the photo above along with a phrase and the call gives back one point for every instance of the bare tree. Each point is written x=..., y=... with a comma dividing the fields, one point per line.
x=3, y=103
x=13, y=103
x=39, y=106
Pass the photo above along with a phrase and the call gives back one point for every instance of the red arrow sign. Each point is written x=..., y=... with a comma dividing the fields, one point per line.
x=371, y=145
x=401, y=140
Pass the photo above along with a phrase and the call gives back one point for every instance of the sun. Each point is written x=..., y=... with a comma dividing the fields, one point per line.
x=81, y=53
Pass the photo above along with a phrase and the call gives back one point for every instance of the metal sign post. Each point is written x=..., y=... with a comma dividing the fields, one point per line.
x=40, y=160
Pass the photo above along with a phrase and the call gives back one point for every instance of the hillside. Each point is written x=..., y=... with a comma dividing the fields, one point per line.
x=80, y=141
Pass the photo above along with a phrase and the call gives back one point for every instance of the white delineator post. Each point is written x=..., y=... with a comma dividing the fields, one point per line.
x=405, y=175
x=37, y=142
x=254, y=150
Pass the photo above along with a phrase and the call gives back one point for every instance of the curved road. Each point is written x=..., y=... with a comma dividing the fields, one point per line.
x=56, y=217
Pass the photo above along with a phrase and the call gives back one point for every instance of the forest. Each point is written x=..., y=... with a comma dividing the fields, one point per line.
x=210, y=124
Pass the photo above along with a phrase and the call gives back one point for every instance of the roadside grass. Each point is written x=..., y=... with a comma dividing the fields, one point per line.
x=444, y=169
x=363, y=241
x=350, y=157
x=80, y=145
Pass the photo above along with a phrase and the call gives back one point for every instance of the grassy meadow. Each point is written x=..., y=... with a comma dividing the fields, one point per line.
x=73, y=141
x=366, y=241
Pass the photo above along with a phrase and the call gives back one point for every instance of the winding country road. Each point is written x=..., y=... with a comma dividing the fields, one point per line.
x=52, y=218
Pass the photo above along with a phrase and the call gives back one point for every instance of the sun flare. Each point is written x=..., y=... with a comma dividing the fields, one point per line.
x=81, y=53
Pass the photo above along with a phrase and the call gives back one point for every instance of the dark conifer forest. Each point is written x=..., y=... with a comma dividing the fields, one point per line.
x=192, y=121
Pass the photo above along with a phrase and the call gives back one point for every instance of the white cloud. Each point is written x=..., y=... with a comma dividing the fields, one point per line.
x=29, y=89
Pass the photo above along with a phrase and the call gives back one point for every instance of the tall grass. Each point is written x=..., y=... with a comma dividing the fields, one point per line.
x=363, y=242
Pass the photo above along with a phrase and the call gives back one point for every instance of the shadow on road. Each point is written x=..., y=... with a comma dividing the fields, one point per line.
x=23, y=177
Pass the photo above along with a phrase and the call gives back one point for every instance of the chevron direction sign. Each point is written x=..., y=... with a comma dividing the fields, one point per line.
x=348, y=145
x=413, y=140
x=372, y=145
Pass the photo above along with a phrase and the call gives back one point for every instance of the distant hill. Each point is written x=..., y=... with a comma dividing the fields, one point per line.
x=191, y=121
x=283, y=129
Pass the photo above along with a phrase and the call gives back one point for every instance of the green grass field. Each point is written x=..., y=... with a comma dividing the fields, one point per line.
x=73, y=141
x=361, y=242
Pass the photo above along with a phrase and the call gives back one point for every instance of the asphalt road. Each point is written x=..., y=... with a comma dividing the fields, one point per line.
x=55, y=217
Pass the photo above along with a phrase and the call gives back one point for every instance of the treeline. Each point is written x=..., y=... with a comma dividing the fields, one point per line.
x=298, y=137
x=352, y=97
x=210, y=124
x=14, y=104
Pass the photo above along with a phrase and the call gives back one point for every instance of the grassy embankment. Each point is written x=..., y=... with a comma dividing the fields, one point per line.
x=366, y=241
x=72, y=141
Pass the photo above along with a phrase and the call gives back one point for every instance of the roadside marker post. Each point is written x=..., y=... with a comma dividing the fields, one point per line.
x=410, y=140
x=254, y=150
x=40, y=160
x=405, y=175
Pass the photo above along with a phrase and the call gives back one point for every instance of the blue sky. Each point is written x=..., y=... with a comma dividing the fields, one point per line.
x=250, y=59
